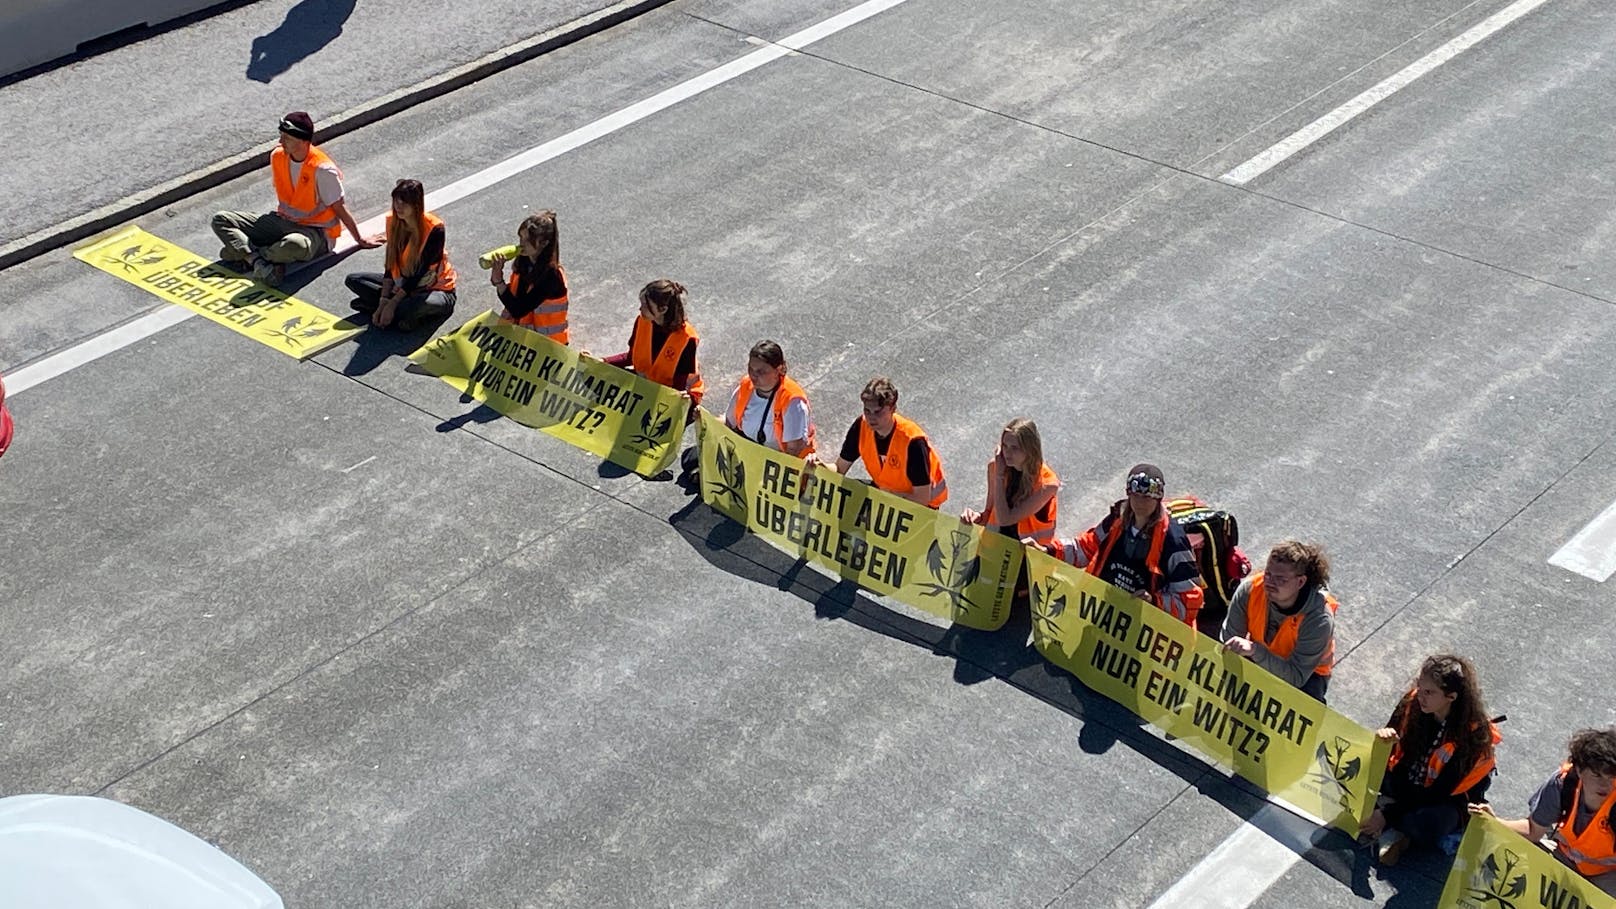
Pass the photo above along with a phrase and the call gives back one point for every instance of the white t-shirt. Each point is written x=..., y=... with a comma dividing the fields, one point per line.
x=760, y=412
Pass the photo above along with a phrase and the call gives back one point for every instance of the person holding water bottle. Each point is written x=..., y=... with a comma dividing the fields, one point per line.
x=535, y=295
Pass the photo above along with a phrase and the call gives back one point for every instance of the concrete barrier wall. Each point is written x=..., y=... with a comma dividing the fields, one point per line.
x=38, y=31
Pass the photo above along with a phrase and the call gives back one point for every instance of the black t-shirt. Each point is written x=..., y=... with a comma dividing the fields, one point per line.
x=919, y=466
x=431, y=253
x=659, y=340
x=535, y=283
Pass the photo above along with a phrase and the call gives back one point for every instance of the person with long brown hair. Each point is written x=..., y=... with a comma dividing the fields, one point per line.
x=1283, y=617
x=662, y=343
x=535, y=296
x=1441, y=763
x=1022, y=489
x=418, y=284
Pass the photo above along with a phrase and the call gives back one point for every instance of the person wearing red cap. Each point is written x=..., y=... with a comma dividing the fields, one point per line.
x=1139, y=548
x=308, y=218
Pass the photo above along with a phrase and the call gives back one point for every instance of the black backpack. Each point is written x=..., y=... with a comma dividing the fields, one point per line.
x=1214, y=534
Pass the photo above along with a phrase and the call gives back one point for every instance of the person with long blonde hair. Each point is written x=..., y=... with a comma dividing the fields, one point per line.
x=1022, y=489
x=418, y=283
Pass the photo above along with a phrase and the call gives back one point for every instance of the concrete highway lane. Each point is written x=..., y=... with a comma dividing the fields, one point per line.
x=388, y=649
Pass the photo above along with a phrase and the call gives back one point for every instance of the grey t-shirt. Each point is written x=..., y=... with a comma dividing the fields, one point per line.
x=1545, y=805
x=1312, y=639
x=327, y=184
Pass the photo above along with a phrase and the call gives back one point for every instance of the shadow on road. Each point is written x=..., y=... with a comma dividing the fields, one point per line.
x=308, y=27
x=1007, y=655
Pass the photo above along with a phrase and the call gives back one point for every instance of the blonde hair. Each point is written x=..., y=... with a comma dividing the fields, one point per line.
x=1032, y=447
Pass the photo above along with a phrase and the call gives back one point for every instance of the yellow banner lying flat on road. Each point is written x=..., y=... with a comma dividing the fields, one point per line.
x=533, y=380
x=1497, y=868
x=1229, y=708
x=917, y=555
x=173, y=273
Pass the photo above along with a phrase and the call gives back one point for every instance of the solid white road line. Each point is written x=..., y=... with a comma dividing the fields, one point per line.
x=144, y=327
x=1236, y=873
x=1592, y=552
x=131, y=332
x=1328, y=123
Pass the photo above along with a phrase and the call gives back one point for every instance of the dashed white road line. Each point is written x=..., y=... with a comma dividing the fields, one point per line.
x=144, y=327
x=1333, y=120
x=1592, y=552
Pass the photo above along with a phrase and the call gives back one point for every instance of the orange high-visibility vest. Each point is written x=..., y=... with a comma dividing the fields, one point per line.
x=1098, y=553
x=446, y=273
x=787, y=392
x=301, y=203
x=1443, y=752
x=1593, y=851
x=549, y=318
x=1284, y=642
x=892, y=472
x=661, y=367
x=1040, y=530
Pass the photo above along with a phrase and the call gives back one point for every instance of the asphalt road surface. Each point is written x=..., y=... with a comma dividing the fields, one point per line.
x=389, y=650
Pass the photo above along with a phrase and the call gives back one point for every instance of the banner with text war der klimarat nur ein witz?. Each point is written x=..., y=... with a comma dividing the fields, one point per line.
x=1225, y=706
x=524, y=375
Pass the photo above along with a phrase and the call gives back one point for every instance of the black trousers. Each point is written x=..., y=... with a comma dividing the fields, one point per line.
x=414, y=309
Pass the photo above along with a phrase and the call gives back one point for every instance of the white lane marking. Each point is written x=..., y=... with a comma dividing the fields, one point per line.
x=359, y=465
x=144, y=327
x=131, y=332
x=1328, y=123
x=1239, y=871
x=1592, y=552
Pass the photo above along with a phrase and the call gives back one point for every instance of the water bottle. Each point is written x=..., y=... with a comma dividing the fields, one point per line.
x=486, y=260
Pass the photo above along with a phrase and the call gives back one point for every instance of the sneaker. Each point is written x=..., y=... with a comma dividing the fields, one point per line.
x=1391, y=846
x=266, y=273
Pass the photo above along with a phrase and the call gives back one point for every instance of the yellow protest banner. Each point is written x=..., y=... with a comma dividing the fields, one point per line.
x=258, y=311
x=917, y=555
x=1227, y=707
x=1497, y=868
x=580, y=400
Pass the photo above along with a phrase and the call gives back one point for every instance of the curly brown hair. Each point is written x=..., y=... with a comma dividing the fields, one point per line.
x=1308, y=558
x=1594, y=751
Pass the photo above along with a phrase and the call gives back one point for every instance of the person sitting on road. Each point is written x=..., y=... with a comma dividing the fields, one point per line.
x=535, y=296
x=418, y=284
x=1283, y=618
x=1442, y=761
x=1022, y=489
x=769, y=407
x=895, y=450
x=1577, y=805
x=309, y=217
x=662, y=344
x=1141, y=549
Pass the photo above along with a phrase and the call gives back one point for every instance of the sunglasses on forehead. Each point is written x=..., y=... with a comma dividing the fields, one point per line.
x=1143, y=484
